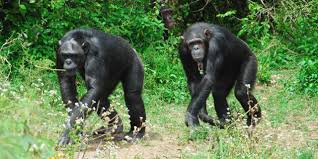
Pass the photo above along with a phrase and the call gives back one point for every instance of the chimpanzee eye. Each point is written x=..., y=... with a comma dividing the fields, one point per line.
x=190, y=45
x=67, y=55
x=193, y=43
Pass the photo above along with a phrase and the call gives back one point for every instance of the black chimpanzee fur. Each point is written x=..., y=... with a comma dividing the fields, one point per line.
x=214, y=60
x=102, y=60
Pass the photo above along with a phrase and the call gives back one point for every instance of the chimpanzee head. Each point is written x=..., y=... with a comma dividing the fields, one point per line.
x=196, y=39
x=166, y=14
x=72, y=55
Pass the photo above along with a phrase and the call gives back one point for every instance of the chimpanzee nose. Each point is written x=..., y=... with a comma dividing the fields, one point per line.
x=68, y=61
x=196, y=48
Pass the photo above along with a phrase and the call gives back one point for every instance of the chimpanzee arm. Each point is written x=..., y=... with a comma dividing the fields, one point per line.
x=214, y=62
x=67, y=85
x=94, y=92
x=214, y=59
x=95, y=89
x=190, y=68
x=68, y=90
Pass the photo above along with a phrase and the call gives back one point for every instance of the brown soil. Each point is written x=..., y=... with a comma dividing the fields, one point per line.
x=152, y=146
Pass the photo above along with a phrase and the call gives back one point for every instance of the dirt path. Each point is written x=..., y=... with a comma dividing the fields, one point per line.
x=153, y=146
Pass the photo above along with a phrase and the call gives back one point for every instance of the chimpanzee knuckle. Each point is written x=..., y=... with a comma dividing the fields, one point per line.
x=208, y=78
x=240, y=93
x=191, y=120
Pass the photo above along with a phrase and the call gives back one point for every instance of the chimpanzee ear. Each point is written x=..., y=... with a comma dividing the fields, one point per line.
x=207, y=33
x=183, y=40
x=85, y=47
x=57, y=48
x=183, y=45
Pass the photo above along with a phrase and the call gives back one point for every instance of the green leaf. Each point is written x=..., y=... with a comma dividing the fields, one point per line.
x=227, y=14
x=22, y=9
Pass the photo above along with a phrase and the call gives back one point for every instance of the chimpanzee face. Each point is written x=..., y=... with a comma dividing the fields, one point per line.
x=72, y=54
x=197, y=43
x=166, y=14
x=197, y=48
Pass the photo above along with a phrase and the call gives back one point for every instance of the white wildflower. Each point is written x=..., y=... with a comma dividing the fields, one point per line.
x=68, y=110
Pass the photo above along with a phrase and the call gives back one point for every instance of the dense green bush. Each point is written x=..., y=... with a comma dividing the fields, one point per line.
x=308, y=76
x=34, y=28
x=281, y=33
x=297, y=24
x=284, y=35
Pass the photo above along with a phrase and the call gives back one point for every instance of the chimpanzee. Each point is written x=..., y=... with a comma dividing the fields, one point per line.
x=165, y=13
x=103, y=60
x=214, y=60
x=4, y=7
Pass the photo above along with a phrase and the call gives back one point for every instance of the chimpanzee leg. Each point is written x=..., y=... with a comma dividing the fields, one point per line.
x=197, y=101
x=78, y=113
x=243, y=89
x=82, y=110
x=221, y=106
x=203, y=113
x=115, y=124
x=204, y=116
x=133, y=85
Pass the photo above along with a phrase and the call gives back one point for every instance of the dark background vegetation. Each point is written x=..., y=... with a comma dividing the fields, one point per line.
x=282, y=33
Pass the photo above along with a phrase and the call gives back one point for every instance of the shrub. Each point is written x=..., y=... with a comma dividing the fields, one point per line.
x=308, y=76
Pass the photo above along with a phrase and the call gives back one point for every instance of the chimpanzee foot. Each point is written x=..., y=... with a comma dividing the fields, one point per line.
x=257, y=116
x=129, y=137
x=224, y=121
x=115, y=129
x=253, y=120
x=191, y=121
x=65, y=139
x=206, y=118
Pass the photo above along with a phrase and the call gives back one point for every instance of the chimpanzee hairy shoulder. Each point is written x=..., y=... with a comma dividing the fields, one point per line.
x=214, y=61
x=103, y=60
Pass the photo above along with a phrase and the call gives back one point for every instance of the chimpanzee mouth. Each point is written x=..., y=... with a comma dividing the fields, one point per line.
x=71, y=71
x=170, y=25
x=197, y=58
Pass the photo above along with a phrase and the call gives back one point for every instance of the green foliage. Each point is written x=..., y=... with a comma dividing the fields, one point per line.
x=30, y=40
x=297, y=25
x=227, y=14
x=308, y=76
x=284, y=34
x=306, y=154
x=280, y=33
x=21, y=110
x=258, y=37
x=264, y=76
x=164, y=74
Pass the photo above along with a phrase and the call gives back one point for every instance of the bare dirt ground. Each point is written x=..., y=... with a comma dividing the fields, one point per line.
x=152, y=146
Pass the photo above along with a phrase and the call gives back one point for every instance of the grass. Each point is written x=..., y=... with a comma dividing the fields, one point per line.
x=32, y=119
